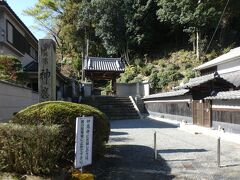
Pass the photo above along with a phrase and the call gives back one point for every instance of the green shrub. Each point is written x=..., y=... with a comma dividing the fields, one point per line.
x=30, y=149
x=65, y=113
x=9, y=66
x=130, y=73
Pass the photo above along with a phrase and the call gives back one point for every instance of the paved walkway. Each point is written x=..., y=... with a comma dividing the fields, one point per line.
x=181, y=155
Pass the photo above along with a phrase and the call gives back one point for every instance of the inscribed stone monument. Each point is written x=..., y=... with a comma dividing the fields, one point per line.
x=47, y=70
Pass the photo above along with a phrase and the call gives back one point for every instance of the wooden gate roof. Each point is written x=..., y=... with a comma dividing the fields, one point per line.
x=104, y=64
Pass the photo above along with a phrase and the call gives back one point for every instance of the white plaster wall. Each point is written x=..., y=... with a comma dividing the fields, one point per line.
x=124, y=89
x=130, y=89
x=146, y=88
x=231, y=103
x=87, y=89
x=230, y=66
x=6, y=51
x=14, y=98
x=226, y=104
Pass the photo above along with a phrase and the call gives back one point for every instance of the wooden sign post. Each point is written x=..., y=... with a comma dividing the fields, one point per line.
x=83, y=142
x=46, y=70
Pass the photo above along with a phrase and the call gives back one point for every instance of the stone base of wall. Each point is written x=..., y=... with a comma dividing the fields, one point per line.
x=228, y=127
x=170, y=116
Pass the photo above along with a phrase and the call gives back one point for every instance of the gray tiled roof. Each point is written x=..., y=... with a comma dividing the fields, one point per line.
x=226, y=95
x=104, y=64
x=232, y=77
x=198, y=81
x=168, y=94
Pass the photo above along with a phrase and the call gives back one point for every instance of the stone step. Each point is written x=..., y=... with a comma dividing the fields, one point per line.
x=114, y=107
x=118, y=110
x=123, y=117
x=122, y=114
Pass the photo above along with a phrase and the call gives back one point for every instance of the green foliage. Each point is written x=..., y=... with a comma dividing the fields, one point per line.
x=130, y=73
x=189, y=13
x=30, y=149
x=64, y=114
x=130, y=28
x=164, y=73
x=9, y=68
x=146, y=70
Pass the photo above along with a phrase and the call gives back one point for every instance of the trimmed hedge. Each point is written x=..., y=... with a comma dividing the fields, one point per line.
x=64, y=114
x=30, y=149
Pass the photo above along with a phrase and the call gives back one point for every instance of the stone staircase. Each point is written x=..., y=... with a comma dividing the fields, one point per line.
x=116, y=108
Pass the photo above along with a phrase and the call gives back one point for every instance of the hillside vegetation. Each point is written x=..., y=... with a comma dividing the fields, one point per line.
x=141, y=32
x=166, y=72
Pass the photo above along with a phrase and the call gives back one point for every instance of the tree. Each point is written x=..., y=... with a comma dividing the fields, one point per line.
x=46, y=13
x=9, y=68
x=58, y=19
x=124, y=25
x=229, y=24
x=196, y=16
x=69, y=23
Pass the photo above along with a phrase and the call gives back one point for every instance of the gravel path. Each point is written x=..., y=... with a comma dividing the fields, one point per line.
x=181, y=155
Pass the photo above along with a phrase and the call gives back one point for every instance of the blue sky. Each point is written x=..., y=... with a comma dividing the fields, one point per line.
x=18, y=7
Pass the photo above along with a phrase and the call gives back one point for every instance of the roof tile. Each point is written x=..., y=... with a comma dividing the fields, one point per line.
x=104, y=64
x=226, y=95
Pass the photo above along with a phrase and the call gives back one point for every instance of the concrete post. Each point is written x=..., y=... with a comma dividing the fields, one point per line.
x=218, y=151
x=155, y=145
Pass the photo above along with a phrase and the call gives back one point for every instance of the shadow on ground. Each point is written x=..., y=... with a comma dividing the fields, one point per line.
x=116, y=133
x=181, y=150
x=128, y=162
x=145, y=123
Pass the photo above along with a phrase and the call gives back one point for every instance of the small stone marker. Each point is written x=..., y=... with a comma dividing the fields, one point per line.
x=46, y=70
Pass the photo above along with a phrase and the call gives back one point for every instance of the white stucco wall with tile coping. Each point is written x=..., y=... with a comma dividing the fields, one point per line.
x=14, y=98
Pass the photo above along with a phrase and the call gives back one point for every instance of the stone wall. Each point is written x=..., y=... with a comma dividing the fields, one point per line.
x=14, y=98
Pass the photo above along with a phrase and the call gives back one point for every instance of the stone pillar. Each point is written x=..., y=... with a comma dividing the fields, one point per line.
x=46, y=70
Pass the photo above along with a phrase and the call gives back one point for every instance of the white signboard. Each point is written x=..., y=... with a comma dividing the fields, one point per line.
x=83, y=141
